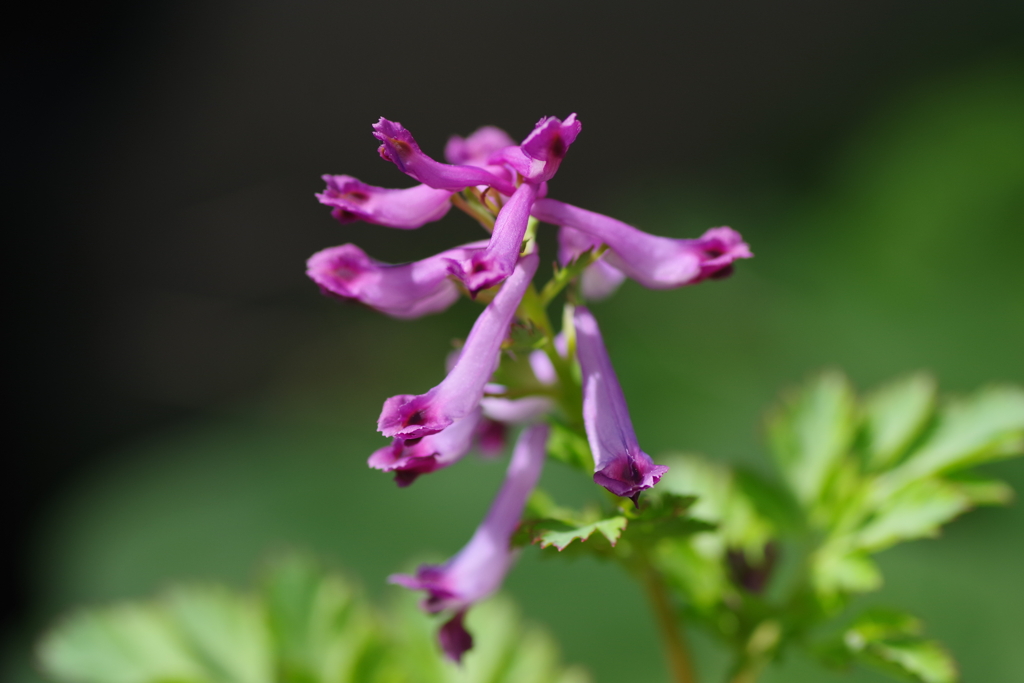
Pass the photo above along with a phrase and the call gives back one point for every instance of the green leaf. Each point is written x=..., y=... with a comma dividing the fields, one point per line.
x=983, y=427
x=611, y=529
x=837, y=571
x=225, y=631
x=129, y=643
x=811, y=431
x=917, y=511
x=981, y=490
x=890, y=640
x=570, y=447
x=720, y=500
x=895, y=415
x=305, y=626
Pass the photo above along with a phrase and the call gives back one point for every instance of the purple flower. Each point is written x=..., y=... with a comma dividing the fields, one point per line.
x=655, y=262
x=480, y=567
x=619, y=464
x=409, y=290
x=399, y=147
x=538, y=158
x=478, y=147
x=409, y=458
x=409, y=417
x=487, y=268
x=354, y=200
x=600, y=279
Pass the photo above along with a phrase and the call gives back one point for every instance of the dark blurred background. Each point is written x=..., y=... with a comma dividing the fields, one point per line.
x=184, y=400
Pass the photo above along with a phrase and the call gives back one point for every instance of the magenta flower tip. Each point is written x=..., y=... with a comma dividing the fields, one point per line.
x=629, y=475
x=397, y=144
x=408, y=416
x=538, y=157
x=353, y=200
x=455, y=639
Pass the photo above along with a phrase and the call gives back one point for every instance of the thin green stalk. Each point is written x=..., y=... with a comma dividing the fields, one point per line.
x=676, y=652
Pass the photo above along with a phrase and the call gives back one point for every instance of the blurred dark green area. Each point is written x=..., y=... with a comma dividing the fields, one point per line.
x=904, y=254
x=195, y=404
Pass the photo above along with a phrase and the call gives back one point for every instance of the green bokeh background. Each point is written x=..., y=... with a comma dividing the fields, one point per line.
x=905, y=253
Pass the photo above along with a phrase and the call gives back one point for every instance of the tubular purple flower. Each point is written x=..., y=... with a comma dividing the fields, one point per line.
x=408, y=459
x=537, y=159
x=619, y=464
x=408, y=290
x=487, y=268
x=399, y=147
x=478, y=147
x=480, y=567
x=655, y=262
x=600, y=279
x=409, y=417
x=408, y=209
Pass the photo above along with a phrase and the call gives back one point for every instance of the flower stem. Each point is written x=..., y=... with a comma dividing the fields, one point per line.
x=673, y=639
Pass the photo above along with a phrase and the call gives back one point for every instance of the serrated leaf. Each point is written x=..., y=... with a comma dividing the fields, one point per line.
x=811, y=431
x=917, y=511
x=894, y=415
x=611, y=529
x=986, y=426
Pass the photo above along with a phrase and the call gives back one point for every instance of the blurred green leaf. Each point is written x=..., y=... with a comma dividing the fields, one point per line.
x=837, y=570
x=570, y=447
x=307, y=626
x=890, y=640
x=894, y=415
x=986, y=426
x=915, y=512
x=980, y=490
x=811, y=431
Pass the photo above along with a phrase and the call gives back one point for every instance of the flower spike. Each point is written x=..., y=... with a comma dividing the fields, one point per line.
x=619, y=464
x=537, y=159
x=409, y=290
x=399, y=147
x=480, y=567
x=408, y=209
x=409, y=417
x=655, y=262
x=487, y=268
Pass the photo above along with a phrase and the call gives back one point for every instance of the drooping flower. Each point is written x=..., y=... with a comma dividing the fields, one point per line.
x=538, y=157
x=409, y=290
x=600, y=279
x=408, y=459
x=619, y=464
x=399, y=147
x=487, y=268
x=655, y=262
x=476, y=149
x=409, y=416
x=408, y=209
x=480, y=567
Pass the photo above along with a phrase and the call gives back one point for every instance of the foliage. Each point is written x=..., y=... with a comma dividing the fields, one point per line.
x=857, y=476
x=303, y=625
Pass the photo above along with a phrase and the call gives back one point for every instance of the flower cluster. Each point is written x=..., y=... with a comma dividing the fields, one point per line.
x=504, y=187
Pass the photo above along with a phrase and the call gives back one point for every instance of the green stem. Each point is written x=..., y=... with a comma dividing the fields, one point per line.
x=676, y=651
